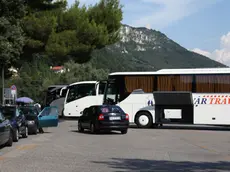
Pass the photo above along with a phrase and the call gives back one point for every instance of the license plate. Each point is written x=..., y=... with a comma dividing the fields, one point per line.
x=115, y=118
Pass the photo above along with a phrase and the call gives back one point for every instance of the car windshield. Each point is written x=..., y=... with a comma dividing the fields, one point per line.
x=29, y=111
x=8, y=112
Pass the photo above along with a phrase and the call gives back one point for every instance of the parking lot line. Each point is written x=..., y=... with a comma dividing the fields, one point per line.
x=26, y=147
x=18, y=149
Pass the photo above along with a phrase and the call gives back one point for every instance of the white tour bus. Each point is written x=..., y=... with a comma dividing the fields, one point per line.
x=81, y=95
x=189, y=96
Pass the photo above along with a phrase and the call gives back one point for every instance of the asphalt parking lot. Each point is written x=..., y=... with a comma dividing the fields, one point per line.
x=63, y=149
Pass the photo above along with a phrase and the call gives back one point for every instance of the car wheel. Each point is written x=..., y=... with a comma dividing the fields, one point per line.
x=124, y=131
x=16, y=135
x=10, y=141
x=25, y=134
x=80, y=129
x=144, y=120
x=92, y=129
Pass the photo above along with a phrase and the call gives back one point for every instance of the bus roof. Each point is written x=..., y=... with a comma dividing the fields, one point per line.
x=84, y=82
x=178, y=71
x=57, y=86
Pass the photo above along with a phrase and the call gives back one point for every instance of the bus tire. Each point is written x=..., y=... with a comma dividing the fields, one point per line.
x=144, y=120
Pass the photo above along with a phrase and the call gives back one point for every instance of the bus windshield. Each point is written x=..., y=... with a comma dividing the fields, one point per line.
x=111, y=93
x=79, y=91
x=116, y=90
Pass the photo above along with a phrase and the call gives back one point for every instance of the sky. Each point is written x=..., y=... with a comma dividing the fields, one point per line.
x=202, y=26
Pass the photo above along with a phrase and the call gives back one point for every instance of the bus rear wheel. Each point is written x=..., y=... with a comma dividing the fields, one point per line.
x=144, y=120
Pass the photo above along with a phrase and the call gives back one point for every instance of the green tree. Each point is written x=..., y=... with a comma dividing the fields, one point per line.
x=71, y=33
x=81, y=72
x=11, y=34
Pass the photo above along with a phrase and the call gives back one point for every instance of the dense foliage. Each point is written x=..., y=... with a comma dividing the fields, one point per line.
x=37, y=34
x=11, y=33
x=72, y=33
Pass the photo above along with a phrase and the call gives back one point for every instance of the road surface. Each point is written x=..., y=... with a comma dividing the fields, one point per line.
x=63, y=149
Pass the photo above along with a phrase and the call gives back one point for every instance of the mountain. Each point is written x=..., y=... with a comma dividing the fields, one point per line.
x=142, y=49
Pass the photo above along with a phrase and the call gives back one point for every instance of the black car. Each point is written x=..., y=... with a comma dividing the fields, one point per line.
x=18, y=121
x=31, y=113
x=104, y=117
x=6, y=132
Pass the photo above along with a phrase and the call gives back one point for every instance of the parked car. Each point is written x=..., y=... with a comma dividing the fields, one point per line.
x=104, y=117
x=37, y=119
x=18, y=121
x=6, y=132
x=31, y=113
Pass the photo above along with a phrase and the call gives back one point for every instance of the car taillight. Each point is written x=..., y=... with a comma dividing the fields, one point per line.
x=101, y=117
x=126, y=116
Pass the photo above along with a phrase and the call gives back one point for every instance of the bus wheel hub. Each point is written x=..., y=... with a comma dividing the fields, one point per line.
x=143, y=120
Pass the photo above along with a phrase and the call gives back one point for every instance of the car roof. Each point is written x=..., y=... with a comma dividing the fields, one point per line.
x=26, y=106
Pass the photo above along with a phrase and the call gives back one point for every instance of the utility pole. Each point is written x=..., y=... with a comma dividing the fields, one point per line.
x=3, y=86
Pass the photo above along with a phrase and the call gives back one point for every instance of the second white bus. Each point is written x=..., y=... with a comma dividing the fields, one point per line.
x=81, y=95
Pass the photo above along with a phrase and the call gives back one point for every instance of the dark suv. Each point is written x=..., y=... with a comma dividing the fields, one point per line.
x=18, y=121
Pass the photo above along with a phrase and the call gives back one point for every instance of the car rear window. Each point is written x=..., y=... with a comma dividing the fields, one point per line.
x=29, y=111
x=111, y=109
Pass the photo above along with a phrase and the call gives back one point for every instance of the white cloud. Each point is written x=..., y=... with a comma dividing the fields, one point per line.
x=202, y=52
x=221, y=55
x=170, y=11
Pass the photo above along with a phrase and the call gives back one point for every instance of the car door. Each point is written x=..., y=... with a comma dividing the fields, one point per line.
x=2, y=130
x=19, y=119
x=84, y=117
x=93, y=114
x=48, y=117
x=89, y=116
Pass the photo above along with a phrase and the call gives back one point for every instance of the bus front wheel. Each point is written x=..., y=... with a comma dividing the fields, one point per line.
x=144, y=120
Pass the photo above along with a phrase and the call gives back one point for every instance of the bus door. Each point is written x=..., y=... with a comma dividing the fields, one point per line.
x=173, y=107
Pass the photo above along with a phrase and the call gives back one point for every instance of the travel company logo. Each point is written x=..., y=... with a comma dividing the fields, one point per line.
x=212, y=99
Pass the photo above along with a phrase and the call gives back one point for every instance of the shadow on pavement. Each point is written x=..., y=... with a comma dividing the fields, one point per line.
x=68, y=119
x=142, y=165
x=100, y=133
x=171, y=127
x=193, y=127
